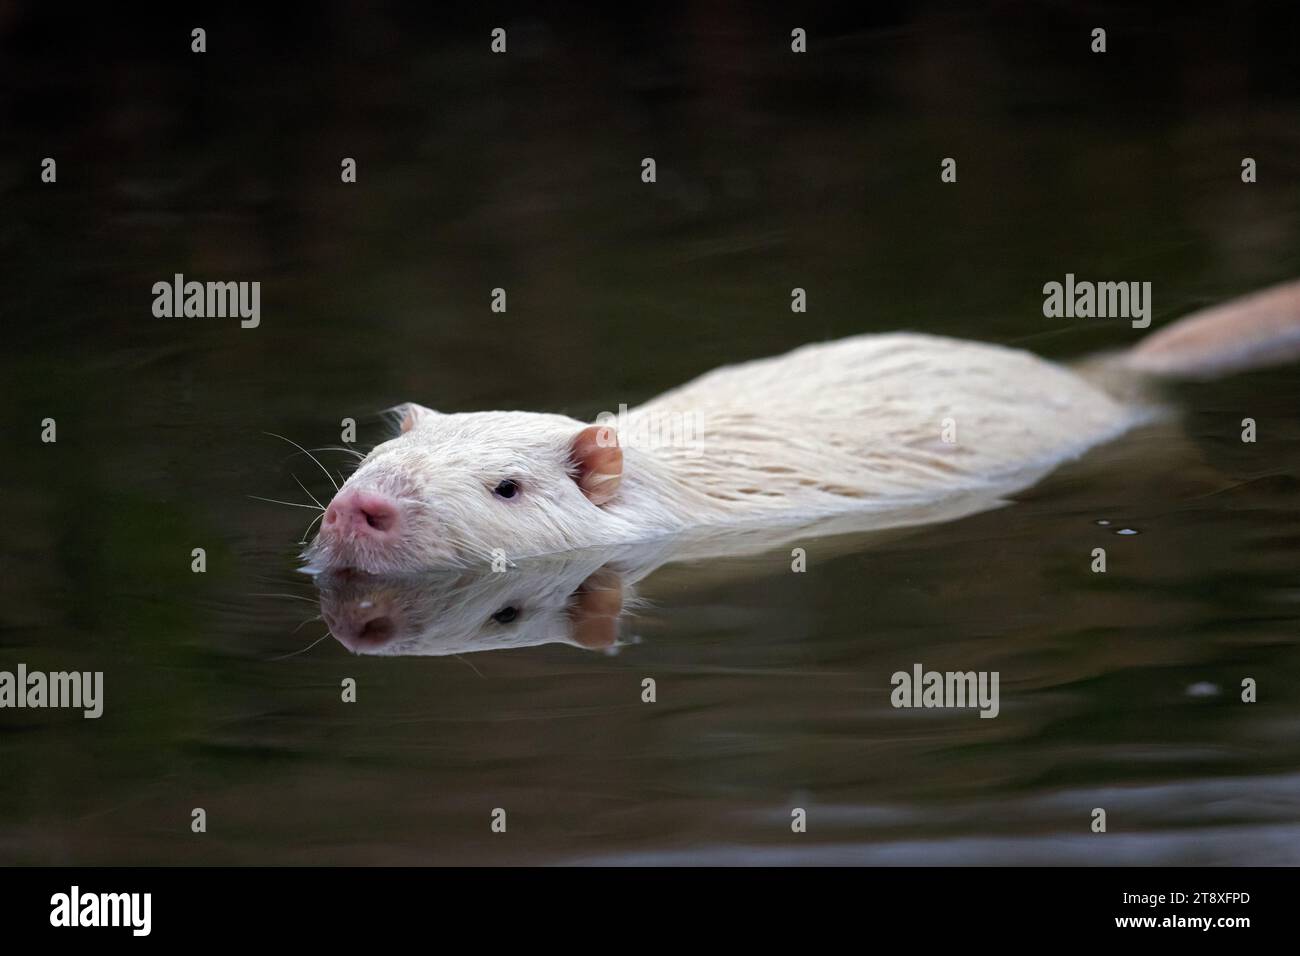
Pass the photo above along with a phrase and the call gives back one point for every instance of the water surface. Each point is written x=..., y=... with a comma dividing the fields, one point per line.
x=1119, y=690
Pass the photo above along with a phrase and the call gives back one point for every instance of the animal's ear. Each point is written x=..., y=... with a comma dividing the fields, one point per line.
x=594, y=610
x=411, y=414
x=597, y=462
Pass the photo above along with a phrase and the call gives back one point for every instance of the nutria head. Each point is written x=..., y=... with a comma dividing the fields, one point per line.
x=469, y=489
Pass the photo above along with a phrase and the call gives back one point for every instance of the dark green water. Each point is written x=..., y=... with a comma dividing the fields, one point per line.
x=1119, y=691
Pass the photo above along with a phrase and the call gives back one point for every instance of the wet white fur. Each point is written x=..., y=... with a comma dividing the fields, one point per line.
x=827, y=429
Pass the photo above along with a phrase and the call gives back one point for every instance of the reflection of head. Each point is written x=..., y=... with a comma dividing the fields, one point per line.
x=578, y=597
x=575, y=602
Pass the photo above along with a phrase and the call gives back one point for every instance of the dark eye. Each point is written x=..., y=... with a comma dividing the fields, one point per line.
x=507, y=489
x=505, y=615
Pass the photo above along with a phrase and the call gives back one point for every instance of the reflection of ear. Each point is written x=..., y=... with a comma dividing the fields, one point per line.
x=599, y=462
x=411, y=414
x=594, y=609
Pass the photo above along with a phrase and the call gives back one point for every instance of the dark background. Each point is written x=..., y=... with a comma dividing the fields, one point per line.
x=523, y=171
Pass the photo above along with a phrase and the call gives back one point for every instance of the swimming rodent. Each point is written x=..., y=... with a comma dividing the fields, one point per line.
x=873, y=423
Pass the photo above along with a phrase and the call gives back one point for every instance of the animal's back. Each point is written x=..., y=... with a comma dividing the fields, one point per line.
x=903, y=428
x=881, y=418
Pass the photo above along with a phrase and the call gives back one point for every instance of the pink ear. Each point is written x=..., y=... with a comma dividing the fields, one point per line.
x=599, y=462
x=412, y=413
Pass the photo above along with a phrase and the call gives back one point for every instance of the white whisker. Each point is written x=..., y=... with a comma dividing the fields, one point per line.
x=308, y=493
x=308, y=454
x=469, y=665
x=296, y=597
x=308, y=531
x=283, y=657
x=291, y=504
x=350, y=451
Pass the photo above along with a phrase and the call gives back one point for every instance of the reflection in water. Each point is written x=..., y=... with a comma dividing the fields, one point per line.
x=550, y=602
x=578, y=597
x=774, y=687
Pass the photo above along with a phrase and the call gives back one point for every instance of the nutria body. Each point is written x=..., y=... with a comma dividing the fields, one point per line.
x=870, y=423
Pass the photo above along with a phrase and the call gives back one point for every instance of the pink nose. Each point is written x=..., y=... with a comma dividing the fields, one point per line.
x=363, y=514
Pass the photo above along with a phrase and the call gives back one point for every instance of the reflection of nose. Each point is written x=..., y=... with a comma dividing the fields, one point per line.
x=363, y=514
x=360, y=628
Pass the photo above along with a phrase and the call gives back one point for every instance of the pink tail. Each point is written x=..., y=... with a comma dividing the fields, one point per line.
x=1251, y=332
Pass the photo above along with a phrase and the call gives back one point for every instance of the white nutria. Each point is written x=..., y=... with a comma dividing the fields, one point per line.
x=870, y=423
